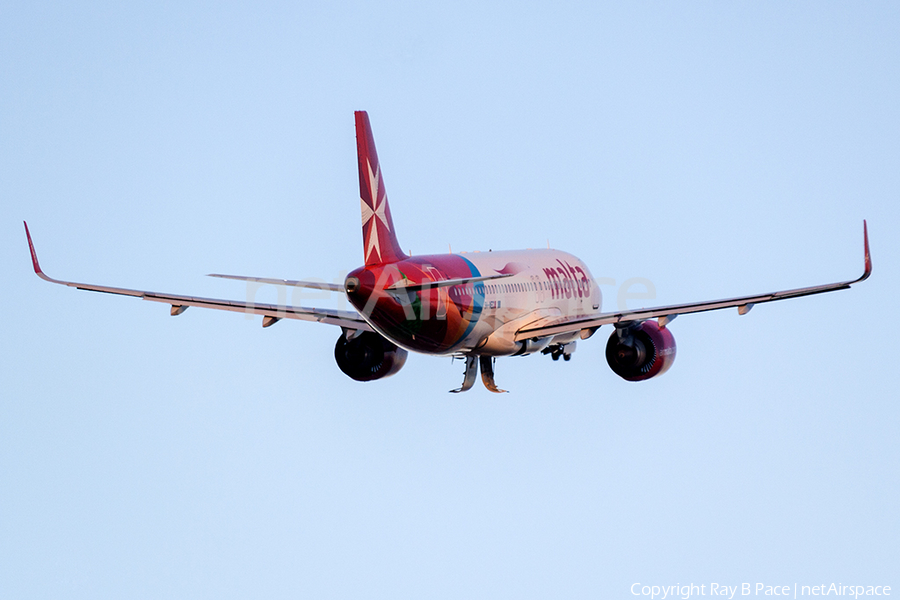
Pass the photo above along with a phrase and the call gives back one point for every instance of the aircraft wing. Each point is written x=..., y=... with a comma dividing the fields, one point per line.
x=271, y=312
x=665, y=314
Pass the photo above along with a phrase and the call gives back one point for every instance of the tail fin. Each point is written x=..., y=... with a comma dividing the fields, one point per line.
x=379, y=241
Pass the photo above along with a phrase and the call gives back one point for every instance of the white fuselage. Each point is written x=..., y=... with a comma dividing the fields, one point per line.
x=546, y=285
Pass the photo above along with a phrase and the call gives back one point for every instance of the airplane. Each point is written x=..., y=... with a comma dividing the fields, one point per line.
x=472, y=306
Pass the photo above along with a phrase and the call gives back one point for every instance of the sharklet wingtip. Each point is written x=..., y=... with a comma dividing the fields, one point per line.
x=34, y=259
x=868, y=256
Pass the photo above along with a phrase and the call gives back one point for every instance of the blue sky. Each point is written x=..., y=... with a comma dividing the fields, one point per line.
x=712, y=148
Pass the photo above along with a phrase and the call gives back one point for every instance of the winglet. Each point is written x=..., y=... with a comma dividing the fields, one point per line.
x=868, y=257
x=34, y=258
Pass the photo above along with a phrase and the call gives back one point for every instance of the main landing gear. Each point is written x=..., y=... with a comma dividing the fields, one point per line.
x=487, y=374
x=557, y=350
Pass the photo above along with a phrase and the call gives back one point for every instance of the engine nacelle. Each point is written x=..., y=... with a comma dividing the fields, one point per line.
x=647, y=350
x=368, y=356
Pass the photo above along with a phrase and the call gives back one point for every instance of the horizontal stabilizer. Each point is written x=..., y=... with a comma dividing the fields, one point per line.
x=315, y=285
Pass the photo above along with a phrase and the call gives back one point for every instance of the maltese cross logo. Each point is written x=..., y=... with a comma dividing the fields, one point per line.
x=379, y=205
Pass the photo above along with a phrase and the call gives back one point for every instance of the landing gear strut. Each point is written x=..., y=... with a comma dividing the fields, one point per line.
x=487, y=374
x=471, y=373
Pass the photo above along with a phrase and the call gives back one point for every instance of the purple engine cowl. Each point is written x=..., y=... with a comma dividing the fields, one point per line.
x=647, y=351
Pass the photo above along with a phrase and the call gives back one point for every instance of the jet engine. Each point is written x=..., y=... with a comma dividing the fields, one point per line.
x=368, y=356
x=640, y=351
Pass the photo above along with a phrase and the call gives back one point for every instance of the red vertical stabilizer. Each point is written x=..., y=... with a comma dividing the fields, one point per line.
x=379, y=240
